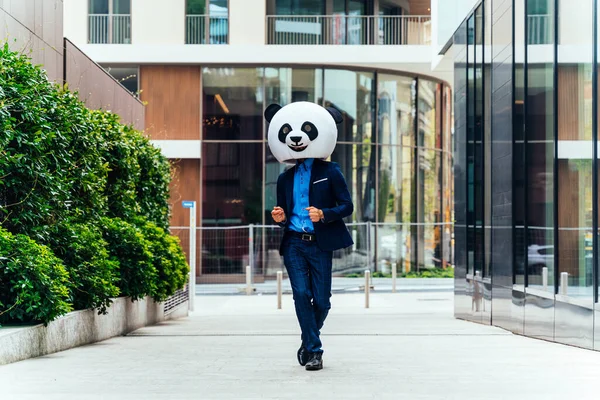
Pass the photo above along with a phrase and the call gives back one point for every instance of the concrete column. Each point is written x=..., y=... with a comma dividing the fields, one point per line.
x=158, y=21
x=247, y=22
x=75, y=21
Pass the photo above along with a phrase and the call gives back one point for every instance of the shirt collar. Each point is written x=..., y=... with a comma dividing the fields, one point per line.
x=306, y=163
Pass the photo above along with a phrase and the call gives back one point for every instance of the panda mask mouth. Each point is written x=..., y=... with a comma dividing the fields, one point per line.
x=298, y=148
x=298, y=140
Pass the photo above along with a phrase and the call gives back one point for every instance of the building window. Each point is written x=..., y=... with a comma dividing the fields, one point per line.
x=378, y=152
x=207, y=22
x=109, y=22
x=351, y=22
x=128, y=77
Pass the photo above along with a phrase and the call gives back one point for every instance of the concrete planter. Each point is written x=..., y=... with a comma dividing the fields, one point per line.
x=82, y=327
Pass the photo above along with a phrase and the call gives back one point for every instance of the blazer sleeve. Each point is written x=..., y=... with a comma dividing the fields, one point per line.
x=343, y=199
x=281, y=202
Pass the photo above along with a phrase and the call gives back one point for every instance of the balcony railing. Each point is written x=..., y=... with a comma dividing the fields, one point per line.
x=201, y=27
x=348, y=29
x=109, y=29
x=539, y=29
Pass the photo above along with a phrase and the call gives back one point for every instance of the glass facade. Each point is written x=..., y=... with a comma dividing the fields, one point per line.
x=530, y=205
x=394, y=149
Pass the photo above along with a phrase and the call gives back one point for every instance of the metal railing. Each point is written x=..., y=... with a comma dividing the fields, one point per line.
x=109, y=29
x=225, y=252
x=348, y=30
x=539, y=29
x=200, y=27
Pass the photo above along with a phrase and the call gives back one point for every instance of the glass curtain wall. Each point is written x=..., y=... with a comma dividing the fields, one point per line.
x=574, y=156
x=476, y=201
x=388, y=170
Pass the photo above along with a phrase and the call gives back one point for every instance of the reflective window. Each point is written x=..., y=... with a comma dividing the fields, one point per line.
x=300, y=7
x=574, y=155
x=539, y=21
x=232, y=183
x=232, y=103
x=357, y=163
x=127, y=76
x=427, y=114
x=539, y=128
x=430, y=162
x=287, y=85
x=396, y=105
x=110, y=6
x=519, y=171
x=396, y=187
x=387, y=180
x=109, y=21
x=207, y=21
x=352, y=93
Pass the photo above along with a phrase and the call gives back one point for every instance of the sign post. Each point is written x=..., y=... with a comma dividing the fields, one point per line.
x=192, y=255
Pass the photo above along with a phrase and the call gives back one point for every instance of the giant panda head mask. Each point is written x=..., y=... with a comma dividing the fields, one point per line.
x=302, y=130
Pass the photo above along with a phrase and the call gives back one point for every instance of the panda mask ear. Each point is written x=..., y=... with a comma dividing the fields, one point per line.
x=271, y=111
x=337, y=116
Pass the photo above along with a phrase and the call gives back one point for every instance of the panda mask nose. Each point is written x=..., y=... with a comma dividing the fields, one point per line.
x=296, y=139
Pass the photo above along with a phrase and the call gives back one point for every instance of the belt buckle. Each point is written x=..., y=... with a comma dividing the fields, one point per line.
x=307, y=237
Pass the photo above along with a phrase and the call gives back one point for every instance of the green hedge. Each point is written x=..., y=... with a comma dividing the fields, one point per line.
x=79, y=182
x=128, y=246
x=33, y=282
x=168, y=258
x=94, y=276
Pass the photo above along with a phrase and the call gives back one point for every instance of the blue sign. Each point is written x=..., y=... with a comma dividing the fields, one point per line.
x=188, y=204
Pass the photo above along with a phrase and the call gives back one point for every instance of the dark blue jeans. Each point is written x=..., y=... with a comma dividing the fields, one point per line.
x=309, y=269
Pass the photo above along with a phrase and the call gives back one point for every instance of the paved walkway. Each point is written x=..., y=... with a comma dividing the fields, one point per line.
x=406, y=346
x=339, y=285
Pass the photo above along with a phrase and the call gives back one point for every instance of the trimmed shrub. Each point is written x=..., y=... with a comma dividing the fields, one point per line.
x=33, y=282
x=61, y=162
x=51, y=160
x=127, y=246
x=168, y=258
x=153, y=185
x=94, y=276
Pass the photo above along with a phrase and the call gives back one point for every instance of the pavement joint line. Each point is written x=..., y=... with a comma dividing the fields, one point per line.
x=328, y=334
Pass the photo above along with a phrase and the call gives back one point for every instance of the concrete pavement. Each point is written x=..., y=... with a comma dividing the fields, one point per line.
x=339, y=285
x=406, y=346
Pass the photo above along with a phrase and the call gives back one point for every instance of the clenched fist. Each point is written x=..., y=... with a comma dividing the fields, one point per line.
x=315, y=214
x=278, y=214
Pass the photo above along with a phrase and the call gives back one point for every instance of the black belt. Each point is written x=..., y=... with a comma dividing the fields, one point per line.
x=307, y=237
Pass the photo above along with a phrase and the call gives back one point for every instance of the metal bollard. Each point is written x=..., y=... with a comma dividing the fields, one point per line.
x=564, y=283
x=545, y=278
x=367, y=287
x=279, y=278
x=394, y=277
x=248, y=280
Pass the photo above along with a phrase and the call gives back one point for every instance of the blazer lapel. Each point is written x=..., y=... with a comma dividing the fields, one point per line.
x=314, y=173
x=289, y=188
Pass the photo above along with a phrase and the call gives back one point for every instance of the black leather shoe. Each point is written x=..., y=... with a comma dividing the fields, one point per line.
x=302, y=355
x=315, y=362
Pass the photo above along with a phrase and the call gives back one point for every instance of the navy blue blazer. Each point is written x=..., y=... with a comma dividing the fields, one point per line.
x=328, y=192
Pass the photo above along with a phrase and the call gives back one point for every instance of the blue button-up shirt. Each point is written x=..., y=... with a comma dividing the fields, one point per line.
x=300, y=221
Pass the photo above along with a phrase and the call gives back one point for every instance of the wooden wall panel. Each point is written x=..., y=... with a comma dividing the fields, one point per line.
x=568, y=217
x=420, y=7
x=173, y=96
x=568, y=103
x=185, y=185
x=99, y=90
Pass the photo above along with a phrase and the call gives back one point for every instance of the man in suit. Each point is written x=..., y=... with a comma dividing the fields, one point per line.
x=312, y=200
